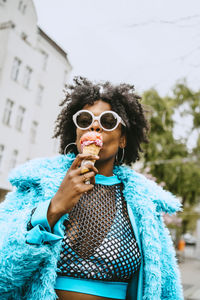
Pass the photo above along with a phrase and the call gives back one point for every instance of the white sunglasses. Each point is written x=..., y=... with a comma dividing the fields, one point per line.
x=108, y=120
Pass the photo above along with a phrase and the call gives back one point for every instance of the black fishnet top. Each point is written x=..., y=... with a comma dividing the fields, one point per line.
x=99, y=241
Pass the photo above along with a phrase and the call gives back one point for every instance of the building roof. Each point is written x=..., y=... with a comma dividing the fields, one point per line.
x=52, y=42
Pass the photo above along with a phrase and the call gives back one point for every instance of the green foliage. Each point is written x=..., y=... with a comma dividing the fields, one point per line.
x=189, y=219
x=168, y=159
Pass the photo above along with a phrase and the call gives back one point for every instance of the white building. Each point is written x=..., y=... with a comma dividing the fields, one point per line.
x=33, y=70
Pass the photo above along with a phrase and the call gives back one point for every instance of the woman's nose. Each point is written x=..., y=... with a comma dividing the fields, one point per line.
x=96, y=126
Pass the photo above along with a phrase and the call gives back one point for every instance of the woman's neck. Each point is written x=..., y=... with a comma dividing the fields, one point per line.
x=105, y=168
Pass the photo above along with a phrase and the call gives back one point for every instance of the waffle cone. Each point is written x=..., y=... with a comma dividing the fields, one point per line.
x=90, y=149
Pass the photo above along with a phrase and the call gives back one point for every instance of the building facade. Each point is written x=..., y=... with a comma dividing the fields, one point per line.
x=33, y=71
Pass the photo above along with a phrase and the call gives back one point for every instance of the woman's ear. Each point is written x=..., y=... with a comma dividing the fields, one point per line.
x=122, y=141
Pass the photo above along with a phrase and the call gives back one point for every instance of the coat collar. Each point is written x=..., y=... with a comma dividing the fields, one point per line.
x=42, y=171
x=151, y=191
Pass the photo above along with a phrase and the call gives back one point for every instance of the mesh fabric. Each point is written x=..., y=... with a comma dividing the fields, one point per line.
x=99, y=241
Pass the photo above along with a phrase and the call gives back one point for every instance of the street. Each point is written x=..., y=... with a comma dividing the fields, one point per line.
x=190, y=273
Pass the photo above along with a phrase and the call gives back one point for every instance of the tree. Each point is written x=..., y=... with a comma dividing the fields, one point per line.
x=170, y=160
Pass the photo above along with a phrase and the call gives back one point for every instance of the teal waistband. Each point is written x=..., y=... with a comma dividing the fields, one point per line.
x=113, y=290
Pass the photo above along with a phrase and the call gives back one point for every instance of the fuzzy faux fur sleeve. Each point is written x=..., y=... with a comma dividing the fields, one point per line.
x=23, y=265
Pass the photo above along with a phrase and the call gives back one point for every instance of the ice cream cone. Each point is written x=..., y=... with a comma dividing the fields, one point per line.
x=90, y=149
x=91, y=143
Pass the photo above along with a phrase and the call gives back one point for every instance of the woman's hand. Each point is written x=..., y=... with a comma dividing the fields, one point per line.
x=72, y=188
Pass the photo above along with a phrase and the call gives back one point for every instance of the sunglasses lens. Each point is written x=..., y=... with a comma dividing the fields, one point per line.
x=84, y=120
x=108, y=121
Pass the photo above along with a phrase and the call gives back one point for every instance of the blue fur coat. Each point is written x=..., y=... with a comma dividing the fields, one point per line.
x=29, y=271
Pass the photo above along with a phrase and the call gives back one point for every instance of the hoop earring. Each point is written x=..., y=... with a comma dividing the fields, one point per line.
x=65, y=150
x=122, y=157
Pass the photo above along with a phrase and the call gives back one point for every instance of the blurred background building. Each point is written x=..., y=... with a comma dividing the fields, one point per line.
x=33, y=71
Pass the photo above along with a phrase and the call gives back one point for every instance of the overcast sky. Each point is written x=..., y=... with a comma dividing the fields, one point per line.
x=148, y=43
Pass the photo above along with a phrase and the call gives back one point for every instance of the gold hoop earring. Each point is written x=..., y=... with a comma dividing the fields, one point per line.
x=117, y=157
x=65, y=150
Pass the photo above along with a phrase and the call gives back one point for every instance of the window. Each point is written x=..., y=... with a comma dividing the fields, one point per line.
x=8, y=112
x=15, y=69
x=24, y=36
x=45, y=59
x=39, y=96
x=34, y=127
x=27, y=77
x=20, y=118
x=13, y=160
x=22, y=7
x=1, y=154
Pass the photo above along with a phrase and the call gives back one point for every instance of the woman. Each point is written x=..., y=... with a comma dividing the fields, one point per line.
x=103, y=240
